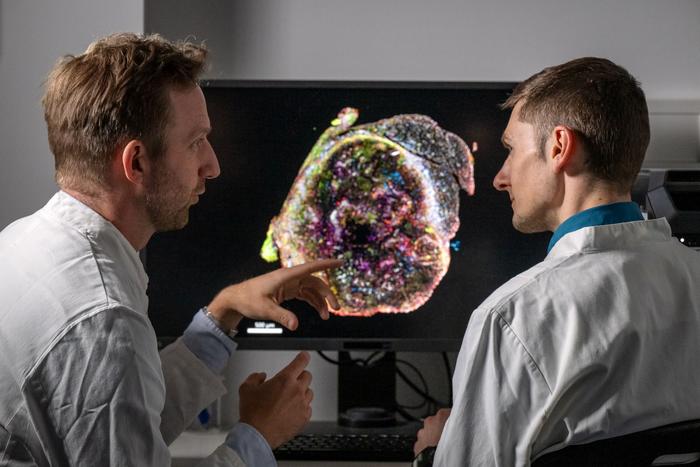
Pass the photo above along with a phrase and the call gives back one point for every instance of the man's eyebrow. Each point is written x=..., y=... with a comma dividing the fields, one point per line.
x=203, y=130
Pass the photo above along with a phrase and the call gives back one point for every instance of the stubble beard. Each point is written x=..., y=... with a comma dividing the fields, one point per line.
x=166, y=204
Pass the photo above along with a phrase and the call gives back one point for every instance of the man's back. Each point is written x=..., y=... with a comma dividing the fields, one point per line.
x=70, y=286
x=595, y=341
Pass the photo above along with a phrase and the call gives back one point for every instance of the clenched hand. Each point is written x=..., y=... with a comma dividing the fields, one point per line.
x=430, y=434
x=280, y=406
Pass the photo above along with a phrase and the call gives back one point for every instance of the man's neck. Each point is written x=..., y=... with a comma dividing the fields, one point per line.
x=592, y=202
x=577, y=200
x=122, y=211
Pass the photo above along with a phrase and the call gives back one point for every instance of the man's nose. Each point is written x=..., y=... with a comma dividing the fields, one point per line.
x=211, y=168
x=500, y=181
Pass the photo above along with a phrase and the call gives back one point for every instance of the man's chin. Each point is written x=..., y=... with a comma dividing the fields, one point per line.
x=172, y=223
x=528, y=226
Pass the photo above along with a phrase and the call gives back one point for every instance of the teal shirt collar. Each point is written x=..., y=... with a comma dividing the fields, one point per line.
x=614, y=213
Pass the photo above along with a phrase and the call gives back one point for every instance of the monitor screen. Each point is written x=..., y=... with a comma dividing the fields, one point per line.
x=375, y=173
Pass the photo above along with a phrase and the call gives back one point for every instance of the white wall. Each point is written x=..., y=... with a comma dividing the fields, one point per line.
x=508, y=40
x=504, y=40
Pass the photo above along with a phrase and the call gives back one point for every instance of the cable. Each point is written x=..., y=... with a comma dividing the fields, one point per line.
x=400, y=410
x=424, y=392
x=420, y=392
x=413, y=407
x=413, y=386
x=415, y=369
x=351, y=362
x=368, y=361
x=363, y=362
x=449, y=376
x=327, y=358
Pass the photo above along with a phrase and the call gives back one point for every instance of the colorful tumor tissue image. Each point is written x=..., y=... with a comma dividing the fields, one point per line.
x=384, y=198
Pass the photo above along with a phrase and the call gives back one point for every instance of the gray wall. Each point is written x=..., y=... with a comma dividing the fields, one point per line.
x=658, y=41
x=33, y=35
x=498, y=40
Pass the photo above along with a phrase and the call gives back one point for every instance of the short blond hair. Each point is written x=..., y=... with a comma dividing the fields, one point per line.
x=114, y=92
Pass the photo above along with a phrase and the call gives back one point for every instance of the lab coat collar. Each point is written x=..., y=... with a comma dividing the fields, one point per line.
x=613, y=213
x=81, y=217
x=611, y=236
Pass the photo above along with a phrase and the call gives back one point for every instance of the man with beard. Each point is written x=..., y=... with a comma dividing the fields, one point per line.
x=81, y=379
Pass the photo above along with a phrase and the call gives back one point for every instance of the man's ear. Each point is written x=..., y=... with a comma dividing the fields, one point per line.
x=564, y=149
x=134, y=162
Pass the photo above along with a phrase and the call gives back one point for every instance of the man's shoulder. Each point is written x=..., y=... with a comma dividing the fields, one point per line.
x=41, y=231
x=50, y=279
x=42, y=255
x=68, y=254
x=526, y=284
x=549, y=295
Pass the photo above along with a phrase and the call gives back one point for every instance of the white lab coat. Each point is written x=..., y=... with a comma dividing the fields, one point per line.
x=600, y=339
x=81, y=380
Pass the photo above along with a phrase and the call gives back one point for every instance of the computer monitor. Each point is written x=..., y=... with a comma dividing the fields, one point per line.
x=263, y=133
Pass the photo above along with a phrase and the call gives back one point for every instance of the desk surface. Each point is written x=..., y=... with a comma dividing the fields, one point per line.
x=192, y=446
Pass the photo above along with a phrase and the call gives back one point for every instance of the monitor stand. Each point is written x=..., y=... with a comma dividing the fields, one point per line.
x=367, y=395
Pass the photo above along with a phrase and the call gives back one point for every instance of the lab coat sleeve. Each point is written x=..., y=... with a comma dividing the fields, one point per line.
x=100, y=392
x=190, y=386
x=223, y=456
x=498, y=395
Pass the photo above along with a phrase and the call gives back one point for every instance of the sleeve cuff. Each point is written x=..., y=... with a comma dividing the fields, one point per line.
x=250, y=446
x=209, y=343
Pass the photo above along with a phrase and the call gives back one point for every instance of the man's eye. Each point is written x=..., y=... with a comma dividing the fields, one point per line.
x=197, y=143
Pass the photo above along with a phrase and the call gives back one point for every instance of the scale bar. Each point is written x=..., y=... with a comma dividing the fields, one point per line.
x=264, y=330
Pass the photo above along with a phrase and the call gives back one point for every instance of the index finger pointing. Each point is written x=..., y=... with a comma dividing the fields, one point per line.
x=300, y=270
x=297, y=366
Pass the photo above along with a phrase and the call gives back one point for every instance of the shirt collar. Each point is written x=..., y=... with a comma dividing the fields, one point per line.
x=614, y=213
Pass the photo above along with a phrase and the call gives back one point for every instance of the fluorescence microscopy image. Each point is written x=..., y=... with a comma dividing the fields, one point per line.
x=382, y=196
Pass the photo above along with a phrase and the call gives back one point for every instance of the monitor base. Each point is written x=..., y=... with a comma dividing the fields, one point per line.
x=367, y=417
x=367, y=394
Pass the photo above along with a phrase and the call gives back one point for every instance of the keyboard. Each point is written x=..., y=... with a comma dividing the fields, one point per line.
x=348, y=447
